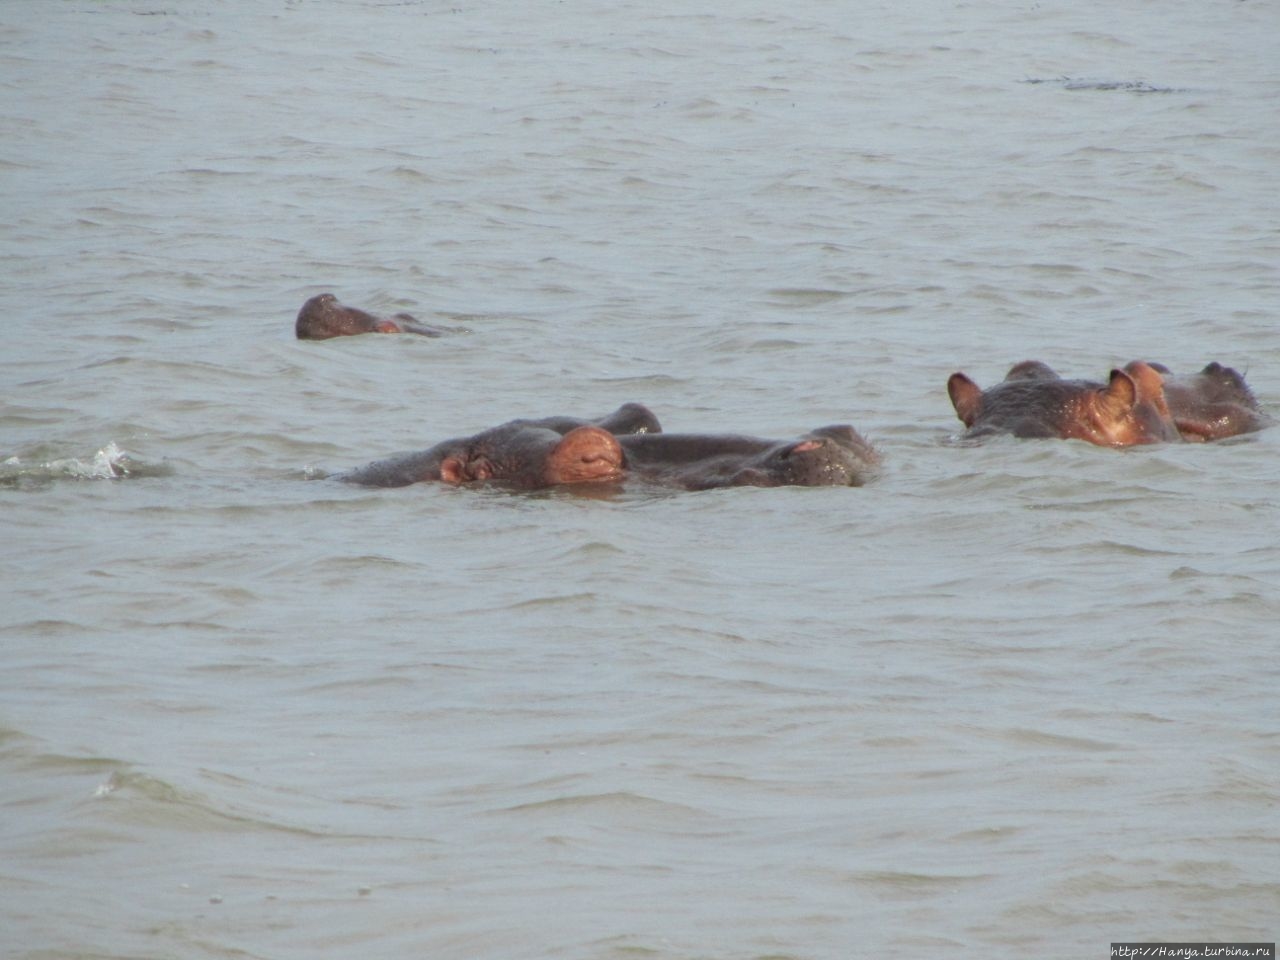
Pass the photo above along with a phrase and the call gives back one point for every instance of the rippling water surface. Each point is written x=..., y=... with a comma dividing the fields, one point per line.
x=1010, y=700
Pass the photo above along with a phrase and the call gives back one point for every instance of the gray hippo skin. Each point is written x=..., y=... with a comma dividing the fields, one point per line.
x=628, y=418
x=1212, y=404
x=1033, y=401
x=323, y=317
x=529, y=458
x=829, y=456
x=527, y=454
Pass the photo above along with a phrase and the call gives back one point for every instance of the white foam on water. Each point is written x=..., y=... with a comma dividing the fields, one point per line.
x=108, y=463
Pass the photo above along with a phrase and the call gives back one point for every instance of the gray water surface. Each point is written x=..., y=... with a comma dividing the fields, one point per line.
x=1009, y=700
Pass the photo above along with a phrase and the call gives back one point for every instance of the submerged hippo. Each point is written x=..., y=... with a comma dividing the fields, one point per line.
x=529, y=454
x=323, y=317
x=628, y=418
x=1033, y=401
x=527, y=457
x=628, y=443
x=826, y=457
x=1211, y=404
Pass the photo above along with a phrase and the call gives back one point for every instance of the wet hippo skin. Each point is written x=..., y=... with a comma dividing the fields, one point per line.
x=529, y=458
x=628, y=418
x=1033, y=401
x=829, y=456
x=323, y=317
x=1212, y=404
x=528, y=454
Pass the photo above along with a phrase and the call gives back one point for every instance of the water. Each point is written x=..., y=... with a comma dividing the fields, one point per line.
x=1009, y=700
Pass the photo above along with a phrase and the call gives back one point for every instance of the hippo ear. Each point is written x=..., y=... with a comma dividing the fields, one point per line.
x=453, y=470
x=966, y=397
x=457, y=468
x=1121, y=393
x=1145, y=377
x=1150, y=384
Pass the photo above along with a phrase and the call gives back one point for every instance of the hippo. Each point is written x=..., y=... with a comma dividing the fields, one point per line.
x=526, y=457
x=628, y=418
x=828, y=456
x=1212, y=404
x=1033, y=401
x=527, y=454
x=323, y=317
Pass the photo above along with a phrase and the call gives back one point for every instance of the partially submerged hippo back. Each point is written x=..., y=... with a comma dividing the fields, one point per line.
x=1033, y=401
x=1213, y=404
x=828, y=456
x=835, y=456
x=628, y=418
x=323, y=317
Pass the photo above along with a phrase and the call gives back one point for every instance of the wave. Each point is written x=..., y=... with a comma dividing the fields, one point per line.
x=110, y=462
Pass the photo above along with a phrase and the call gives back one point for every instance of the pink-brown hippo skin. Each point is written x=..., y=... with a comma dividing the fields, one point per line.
x=323, y=317
x=829, y=456
x=1212, y=404
x=524, y=457
x=528, y=454
x=1033, y=401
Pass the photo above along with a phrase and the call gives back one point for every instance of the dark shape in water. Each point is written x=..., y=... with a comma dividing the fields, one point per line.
x=828, y=456
x=528, y=454
x=1033, y=401
x=323, y=317
x=1212, y=404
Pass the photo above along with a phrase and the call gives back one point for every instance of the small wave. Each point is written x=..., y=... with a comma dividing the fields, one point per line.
x=110, y=462
x=406, y=173
x=914, y=883
x=593, y=550
x=655, y=381
x=48, y=629
x=569, y=599
x=619, y=802
x=805, y=296
x=1083, y=83
x=1059, y=741
x=145, y=799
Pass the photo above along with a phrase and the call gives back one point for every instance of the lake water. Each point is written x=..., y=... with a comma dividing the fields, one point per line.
x=1011, y=700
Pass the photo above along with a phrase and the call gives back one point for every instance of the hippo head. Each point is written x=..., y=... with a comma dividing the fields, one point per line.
x=323, y=317
x=1032, y=401
x=967, y=396
x=1212, y=404
x=1219, y=384
x=534, y=457
x=1132, y=409
x=1031, y=370
x=835, y=456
